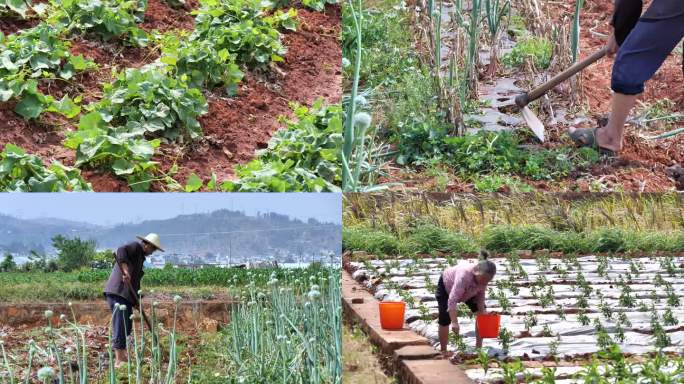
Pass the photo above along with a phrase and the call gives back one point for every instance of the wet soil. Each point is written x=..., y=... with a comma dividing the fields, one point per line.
x=233, y=129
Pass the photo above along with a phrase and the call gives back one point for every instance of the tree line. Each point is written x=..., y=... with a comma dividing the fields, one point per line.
x=72, y=254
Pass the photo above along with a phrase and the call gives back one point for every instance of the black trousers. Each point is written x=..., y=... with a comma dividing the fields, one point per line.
x=442, y=303
x=121, y=321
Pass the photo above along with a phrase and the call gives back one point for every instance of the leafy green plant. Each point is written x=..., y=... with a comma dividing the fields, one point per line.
x=537, y=49
x=318, y=5
x=19, y=8
x=303, y=156
x=497, y=183
x=512, y=371
x=29, y=56
x=243, y=28
x=202, y=64
x=22, y=172
x=124, y=151
x=107, y=19
x=150, y=100
x=506, y=337
x=483, y=359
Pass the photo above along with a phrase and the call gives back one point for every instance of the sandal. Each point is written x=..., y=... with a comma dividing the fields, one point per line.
x=586, y=137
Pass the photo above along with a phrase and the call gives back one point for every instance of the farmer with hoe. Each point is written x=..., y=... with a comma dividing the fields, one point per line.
x=642, y=44
x=462, y=283
x=131, y=258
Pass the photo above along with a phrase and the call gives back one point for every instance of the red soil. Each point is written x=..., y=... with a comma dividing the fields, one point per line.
x=668, y=82
x=160, y=16
x=11, y=25
x=235, y=127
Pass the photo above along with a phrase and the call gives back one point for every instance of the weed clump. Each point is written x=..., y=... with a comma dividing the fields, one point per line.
x=428, y=238
x=538, y=49
x=373, y=241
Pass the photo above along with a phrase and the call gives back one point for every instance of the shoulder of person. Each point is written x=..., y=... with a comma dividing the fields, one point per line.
x=133, y=246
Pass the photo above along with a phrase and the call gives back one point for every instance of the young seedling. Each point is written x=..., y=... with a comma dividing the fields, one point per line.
x=530, y=320
x=506, y=337
x=626, y=299
x=672, y=297
x=669, y=318
x=602, y=266
x=504, y=302
x=483, y=359
x=582, y=317
x=511, y=372
x=548, y=375
x=560, y=310
x=619, y=333
x=553, y=347
x=605, y=307
x=457, y=340
x=623, y=319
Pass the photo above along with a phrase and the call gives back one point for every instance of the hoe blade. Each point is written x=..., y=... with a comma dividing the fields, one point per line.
x=534, y=123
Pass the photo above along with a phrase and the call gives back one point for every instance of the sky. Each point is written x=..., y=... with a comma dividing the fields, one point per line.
x=117, y=208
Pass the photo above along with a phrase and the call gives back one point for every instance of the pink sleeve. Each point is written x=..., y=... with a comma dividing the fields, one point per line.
x=457, y=291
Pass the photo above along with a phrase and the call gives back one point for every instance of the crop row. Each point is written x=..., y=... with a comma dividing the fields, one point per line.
x=554, y=309
x=157, y=103
x=279, y=332
x=427, y=238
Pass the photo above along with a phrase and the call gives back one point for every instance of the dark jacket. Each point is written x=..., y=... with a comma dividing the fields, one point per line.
x=628, y=12
x=133, y=255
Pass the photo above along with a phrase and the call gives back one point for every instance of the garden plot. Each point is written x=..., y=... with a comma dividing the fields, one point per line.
x=569, y=308
x=167, y=95
x=450, y=123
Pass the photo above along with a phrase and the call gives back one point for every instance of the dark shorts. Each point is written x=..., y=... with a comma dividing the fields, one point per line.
x=442, y=303
x=121, y=321
x=643, y=52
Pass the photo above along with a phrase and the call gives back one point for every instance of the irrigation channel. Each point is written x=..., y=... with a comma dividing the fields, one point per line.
x=558, y=313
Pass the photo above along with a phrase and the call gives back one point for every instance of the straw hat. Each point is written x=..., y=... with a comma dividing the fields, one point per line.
x=153, y=239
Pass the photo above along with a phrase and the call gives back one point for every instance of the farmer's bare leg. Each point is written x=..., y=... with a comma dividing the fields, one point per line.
x=478, y=339
x=610, y=136
x=638, y=58
x=121, y=357
x=443, y=339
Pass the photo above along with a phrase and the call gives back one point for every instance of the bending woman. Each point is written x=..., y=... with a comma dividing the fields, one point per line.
x=463, y=283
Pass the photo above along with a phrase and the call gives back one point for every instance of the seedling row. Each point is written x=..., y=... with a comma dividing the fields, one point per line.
x=563, y=312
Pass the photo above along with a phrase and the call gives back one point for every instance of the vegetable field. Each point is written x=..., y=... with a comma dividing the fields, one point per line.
x=284, y=328
x=429, y=95
x=598, y=319
x=162, y=283
x=170, y=95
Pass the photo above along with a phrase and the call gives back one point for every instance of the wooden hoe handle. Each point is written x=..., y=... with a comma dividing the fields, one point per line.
x=526, y=98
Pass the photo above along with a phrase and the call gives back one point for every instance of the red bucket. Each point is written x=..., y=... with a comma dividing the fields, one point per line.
x=392, y=314
x=488, y=325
